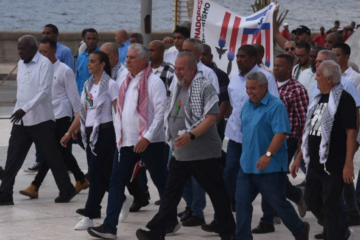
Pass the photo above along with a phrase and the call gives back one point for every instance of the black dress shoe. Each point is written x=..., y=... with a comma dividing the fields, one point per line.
x=158, y=202
x=81, y=211
x=212, y=227
x=181, y=213
x=187, y=214
x=136, y=206
x=193, y=221
x=354, y=221
x=6, y=200
x=263, y=228
x=147, y=235
x=1, y=173
x=319, y=236
x=66, y=197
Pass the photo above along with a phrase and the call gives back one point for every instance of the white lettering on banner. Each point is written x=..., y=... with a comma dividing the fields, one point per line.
x=225, y=31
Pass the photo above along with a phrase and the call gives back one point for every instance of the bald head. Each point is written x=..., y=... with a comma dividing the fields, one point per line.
x=112, y=51
x=332, y=39
x=121, y=36
x=156, y=51
x=260, y=52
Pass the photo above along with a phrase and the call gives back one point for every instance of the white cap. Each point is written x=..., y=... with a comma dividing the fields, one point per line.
x=285, y=24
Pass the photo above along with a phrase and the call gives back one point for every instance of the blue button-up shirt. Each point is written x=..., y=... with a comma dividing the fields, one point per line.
x=260, y=123
x=123, y=48
x=82, y=71
x=64, y=54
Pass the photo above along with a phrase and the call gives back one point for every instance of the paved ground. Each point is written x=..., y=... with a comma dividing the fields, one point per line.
x=43, y=219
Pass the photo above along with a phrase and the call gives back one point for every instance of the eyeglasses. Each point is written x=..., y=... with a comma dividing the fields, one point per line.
x=287, y=49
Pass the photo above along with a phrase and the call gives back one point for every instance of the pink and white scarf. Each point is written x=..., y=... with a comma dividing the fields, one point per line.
x=142, y=103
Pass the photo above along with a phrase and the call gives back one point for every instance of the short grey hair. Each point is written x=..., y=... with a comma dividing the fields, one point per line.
x=196, y=43
x=141, y=50
x=259, y=76
x=330, y=55
x=31, y=40
x=331, y=68
x=192, y=61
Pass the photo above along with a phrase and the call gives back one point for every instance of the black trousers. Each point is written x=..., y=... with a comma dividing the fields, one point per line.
x=62, y=126
x=100, y=167
x=350, y=200
x=323, y=195
x=207, y=174
x=43, y=135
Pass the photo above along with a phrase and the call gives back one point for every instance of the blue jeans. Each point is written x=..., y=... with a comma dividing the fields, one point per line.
x=195, y=198
x=272, y=187
x=231, y=170
x=121, y=174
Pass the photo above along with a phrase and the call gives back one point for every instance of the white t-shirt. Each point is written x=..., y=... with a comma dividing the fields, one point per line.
x=282, y=83
x=106, y=113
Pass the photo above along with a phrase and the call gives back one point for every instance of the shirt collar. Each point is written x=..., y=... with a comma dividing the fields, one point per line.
x=255, y=68
x=56, y=63
x=35, y=58
x=263, y=101
x=126, y=43
x=348, y=71
x=137, y=75
x=86, y=51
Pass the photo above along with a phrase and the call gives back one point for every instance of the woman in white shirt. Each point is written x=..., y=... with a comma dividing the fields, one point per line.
x=98, y=135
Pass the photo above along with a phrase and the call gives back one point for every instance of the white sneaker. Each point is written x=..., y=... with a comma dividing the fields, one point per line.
x=84, y=224
x=126, y=208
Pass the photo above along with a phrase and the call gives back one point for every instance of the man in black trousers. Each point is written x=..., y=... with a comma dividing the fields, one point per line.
x=34, y=121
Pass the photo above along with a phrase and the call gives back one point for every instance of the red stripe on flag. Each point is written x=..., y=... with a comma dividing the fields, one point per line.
x=267, y=46
x=224, y=26
x=258, y=37
x=244, y=39
x=234, y=34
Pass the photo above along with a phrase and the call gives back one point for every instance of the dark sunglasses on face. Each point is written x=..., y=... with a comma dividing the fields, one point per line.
x=287, y=49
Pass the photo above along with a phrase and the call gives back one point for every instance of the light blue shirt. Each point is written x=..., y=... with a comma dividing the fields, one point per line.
x=123, y=48
x=64, y=54
x=238, y=97
x=82, y=71
x=259, y=125
x=348, y=85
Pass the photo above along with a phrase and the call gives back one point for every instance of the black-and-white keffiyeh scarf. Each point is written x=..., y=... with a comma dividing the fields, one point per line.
x=103, y=89
x=115, y=70
x=326, y=125
x=201, y=98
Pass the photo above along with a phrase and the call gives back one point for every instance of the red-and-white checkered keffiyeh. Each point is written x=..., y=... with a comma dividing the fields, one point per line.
x=142, y=103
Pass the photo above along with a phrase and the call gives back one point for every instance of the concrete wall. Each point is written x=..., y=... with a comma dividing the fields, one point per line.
x=9, y=39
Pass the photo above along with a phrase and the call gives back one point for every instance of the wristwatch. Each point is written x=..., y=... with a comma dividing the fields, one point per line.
x=269, y=154
x=192, y=136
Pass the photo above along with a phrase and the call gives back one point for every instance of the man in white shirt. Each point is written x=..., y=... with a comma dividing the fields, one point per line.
x=34, y=121
x=180, y=34
x=195, y=46
x=307, y=77
x=66, y=101
x=302, y=54
x=139, y=126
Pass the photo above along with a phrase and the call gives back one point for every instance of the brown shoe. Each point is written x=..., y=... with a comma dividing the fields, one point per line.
x=305, y=236
x=81, y=186
x=30, y=192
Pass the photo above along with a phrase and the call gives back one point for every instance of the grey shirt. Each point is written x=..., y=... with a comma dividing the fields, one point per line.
x=206, y=146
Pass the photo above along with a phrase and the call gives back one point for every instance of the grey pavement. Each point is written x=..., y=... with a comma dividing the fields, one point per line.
x=43, y=219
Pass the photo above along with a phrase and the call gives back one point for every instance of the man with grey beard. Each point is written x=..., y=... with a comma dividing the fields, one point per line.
x=190, y=124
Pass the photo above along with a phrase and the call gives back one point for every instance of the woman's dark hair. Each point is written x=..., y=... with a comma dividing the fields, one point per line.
x=103, y=57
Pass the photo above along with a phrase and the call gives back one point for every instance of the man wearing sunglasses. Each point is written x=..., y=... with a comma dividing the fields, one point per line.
x=289, y=48
x=302, y=53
